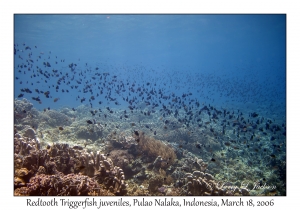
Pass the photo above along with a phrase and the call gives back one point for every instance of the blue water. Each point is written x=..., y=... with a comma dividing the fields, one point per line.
x=230, y=60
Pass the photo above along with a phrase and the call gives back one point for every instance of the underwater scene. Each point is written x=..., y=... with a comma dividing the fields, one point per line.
x=149, y=105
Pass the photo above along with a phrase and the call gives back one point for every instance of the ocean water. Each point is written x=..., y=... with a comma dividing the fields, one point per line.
x=210, y=87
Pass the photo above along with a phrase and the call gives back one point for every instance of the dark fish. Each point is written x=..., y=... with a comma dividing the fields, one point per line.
x=89, y=122
x=56, y=99
x=21, y=95
x=60, y=128
x=47, y=94
x=136, y=133
x=213, y=160
x=73, y=109
x=254, y=114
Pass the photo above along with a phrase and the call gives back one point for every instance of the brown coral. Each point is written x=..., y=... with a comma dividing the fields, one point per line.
x=154, y=183
x=64, y=185
x=153, y=148
x=55, y=165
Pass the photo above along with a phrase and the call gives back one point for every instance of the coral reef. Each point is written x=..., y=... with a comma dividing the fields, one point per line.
x=62, y=144
x=57, y=118
x=199, y=183
x=59, y=185
x=22, y=107
x=29, y=132
x=93, y=132
x=130, y=165
x=155, y=183
x=153, y=148
x=25, y=114
x=57, y=164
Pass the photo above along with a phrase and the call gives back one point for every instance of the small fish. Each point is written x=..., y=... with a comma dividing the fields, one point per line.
x=213, y=160
x=56, y=99
x=136, y=133
x=227, y=143
x=60, y=128
x=89, y=122
x=21, y=95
